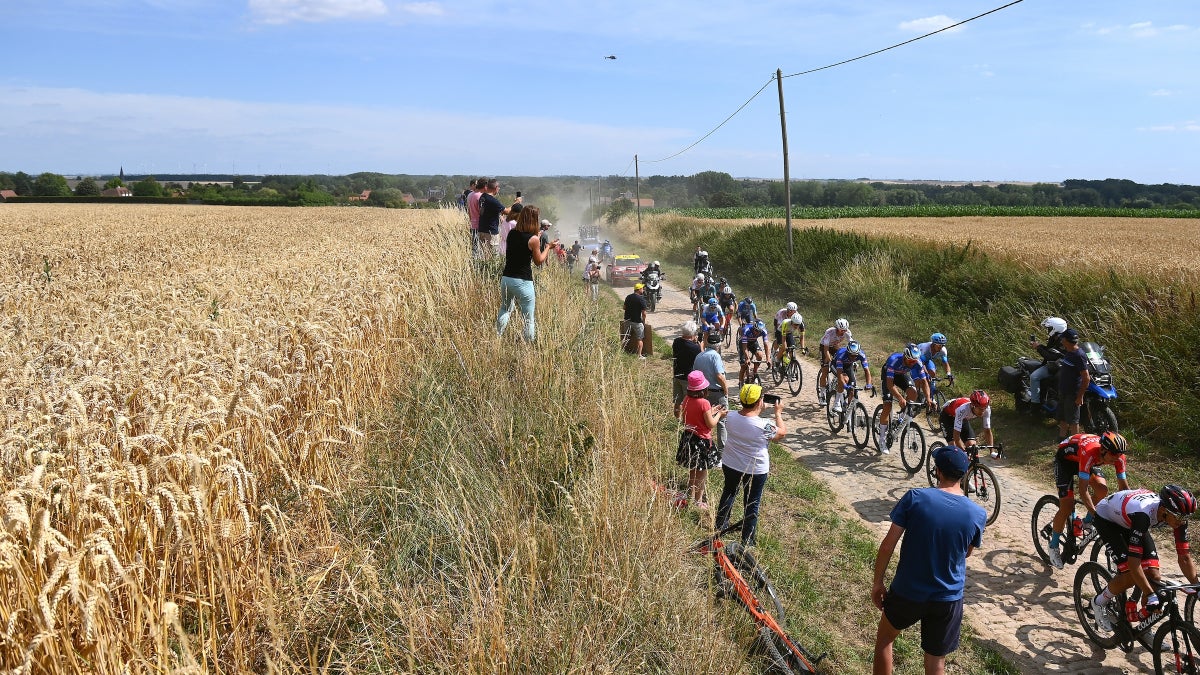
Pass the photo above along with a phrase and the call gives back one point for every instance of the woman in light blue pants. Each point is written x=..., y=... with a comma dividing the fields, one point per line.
x=524, y=250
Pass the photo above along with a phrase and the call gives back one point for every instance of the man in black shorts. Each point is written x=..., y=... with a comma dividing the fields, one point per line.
x=1073, y=380
x=635, y=318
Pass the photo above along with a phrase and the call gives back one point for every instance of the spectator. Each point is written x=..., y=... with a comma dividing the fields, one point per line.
x=516, y=283
x=591, y=277
x=696, y=451
x=1073, y=380
x=712, y=365
x=507, y=224
x=940, y=528
x=490, y=211
x=745, y=460
x=685, y=349
x=473, y=211
x=635, y=318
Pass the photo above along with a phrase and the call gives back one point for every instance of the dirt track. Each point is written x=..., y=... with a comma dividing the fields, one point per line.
x=1017, y=604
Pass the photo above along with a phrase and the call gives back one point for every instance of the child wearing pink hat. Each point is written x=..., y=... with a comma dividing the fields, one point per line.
x=697, y=452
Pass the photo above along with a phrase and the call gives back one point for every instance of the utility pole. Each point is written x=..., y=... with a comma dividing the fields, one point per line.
x=787, y=178
x=637, y=178
x=598, y=205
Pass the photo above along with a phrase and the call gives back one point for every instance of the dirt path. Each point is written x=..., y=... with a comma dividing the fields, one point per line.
x=1014, y=602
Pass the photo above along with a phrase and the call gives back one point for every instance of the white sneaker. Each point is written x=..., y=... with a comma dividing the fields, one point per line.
x=837, y=406
x=1056, y=557
x=1103, y=622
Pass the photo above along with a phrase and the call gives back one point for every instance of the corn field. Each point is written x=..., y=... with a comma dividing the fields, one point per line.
x=182, y=393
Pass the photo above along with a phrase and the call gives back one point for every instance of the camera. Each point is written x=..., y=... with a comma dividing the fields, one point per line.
x=518, y=194
x=771, y=399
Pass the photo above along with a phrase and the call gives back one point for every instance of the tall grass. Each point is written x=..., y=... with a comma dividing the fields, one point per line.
x=987, y=301
x=922, y=211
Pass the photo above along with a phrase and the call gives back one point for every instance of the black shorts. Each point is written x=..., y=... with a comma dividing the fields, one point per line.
x=1065, y=471
x=941, y=622
x=752, y=349
x=964, y=434
x=1117, y=538
x=901, y=380
x=1067, y=411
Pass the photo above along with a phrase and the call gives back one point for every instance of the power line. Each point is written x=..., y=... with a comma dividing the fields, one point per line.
x=832, y=65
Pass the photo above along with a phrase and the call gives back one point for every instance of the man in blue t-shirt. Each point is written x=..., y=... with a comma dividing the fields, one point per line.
x=1073, y=380
x=712, y=365
x=941, y=527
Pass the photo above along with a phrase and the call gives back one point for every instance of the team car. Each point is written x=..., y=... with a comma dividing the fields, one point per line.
x=627, y=267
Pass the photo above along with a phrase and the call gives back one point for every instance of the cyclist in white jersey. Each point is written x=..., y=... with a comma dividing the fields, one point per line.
x=787, y=323
x=836, y=337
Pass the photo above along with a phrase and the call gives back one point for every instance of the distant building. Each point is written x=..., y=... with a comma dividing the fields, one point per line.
x=361, y=197
x=407, y=198
x=117, y=192
x=6, y=194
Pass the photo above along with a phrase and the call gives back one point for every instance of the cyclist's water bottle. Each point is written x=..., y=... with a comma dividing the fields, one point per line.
x=1077, y=526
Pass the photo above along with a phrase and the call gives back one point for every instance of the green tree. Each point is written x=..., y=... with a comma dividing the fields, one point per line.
x=618, y=209
x=708, y=183
x=114, y=183
x=51, y=185
x=391, y=198
x=147, y=187
x=87, y=188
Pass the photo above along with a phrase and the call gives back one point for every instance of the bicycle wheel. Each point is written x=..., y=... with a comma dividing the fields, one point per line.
x=930, y=475
x=981, y=486
x=912, y=447
x=768, y=644
x=756, y=578
x=1041, y=525
x=835, y=419
x=1102, y=554
x=728, y=335
x=1090, y=581
x=859, y=429
x=1176, y=648
x=933, y=418
x=1189, y=609
x=776, y=372
x=878, y=413
x=795, y=377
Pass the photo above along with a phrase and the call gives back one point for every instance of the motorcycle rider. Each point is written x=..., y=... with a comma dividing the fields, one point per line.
x=700, y=260
x=607, y=250
x=1051, y=351
x=654, y=267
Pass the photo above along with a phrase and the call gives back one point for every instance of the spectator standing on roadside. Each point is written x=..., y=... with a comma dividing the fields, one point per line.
x=507, y=224
x=941, y=527
x=686, y=349
x=591, y=277
x=712, y=365
x=490, y=212
x=635, y=318
x=1073, y=380
x=745, y=461
x=516, y=282
x=696, y=451
x=473, y=211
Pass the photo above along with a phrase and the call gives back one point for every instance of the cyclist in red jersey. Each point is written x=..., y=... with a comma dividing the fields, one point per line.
x=956, y=414
x=1082, y=455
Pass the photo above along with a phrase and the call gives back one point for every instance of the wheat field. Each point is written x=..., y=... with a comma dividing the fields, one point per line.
x=176, y=382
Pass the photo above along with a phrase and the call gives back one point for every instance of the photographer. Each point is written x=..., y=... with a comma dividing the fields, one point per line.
x=745, y=461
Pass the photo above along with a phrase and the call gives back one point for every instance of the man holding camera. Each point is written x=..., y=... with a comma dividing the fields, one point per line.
x=745, y=460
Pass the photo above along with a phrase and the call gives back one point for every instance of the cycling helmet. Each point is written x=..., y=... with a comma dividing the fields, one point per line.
x=938, y=339
x=791, y=307
x=1054, y=325
x=700, y=278
x=656, y=263
x=853, y=347
x=727, y=290
x=796, y=319
x=1112, y=442
x=1177, y=500
x=704, y=253
x=761, y=325
x=712, y=302
x=748, y=300
x=842, y=324
x=911, y=353
x=980, y=398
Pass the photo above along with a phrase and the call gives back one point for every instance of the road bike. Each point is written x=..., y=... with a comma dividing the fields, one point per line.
x=789, y=369
x=1174, y=646
x=853, y=412
x=1075, y=539
x=737, y=574
x=727, y=331
x=755, y=376
x=979, y=482
x=933, y=418
x=903, y=425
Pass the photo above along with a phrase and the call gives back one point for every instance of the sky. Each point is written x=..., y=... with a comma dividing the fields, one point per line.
x=1043, y=90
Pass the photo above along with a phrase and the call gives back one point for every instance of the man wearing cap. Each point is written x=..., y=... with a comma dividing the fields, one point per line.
x=635, y=317
x=941, y=527
x=712, y=365
x=1073, y=380
x=685, y=349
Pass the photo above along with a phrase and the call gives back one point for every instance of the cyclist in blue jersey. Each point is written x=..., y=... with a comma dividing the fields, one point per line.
x=711, y=317
x=934, y=352
x=842, y=362
x=752, y=346
x=903, y=377
x=747, y=311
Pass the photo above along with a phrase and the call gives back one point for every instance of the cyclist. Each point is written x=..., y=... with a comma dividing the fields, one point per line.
x=708, y=291
x=607, y=249
x=700, y=260
x=934, y=351
x=752, y=346
x=836, y=337
x=787, y=322
x=694, y=291
x=1124, y=520
x=1051, y=351
x=747, y=311
x=1082, y=455
x=710, y=318
x=957, y=413
x=843, y=362
x=728, y=302
x=901, y=373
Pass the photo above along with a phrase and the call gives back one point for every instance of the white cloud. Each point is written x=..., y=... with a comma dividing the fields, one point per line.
x=423, y=8
x=928, y=24
x=1162, y=92
x=314, y=11
x=1190, y=125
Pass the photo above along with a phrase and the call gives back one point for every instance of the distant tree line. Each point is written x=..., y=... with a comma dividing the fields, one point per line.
x=602, y=194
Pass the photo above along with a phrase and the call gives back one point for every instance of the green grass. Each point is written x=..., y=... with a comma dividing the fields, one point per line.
x=922, y=211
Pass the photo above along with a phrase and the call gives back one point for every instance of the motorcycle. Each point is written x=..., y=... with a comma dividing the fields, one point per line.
x=1096, y=415
x=653, y=289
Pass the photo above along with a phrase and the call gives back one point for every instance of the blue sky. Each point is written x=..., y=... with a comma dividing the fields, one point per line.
x=1043, y=90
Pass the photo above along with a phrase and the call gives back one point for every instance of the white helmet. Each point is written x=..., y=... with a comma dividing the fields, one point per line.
x=704, y=253
x=796, y=318
x=1054, y=325
x=841, y=324
x=656, y=263
x=700, y=278
x=791, y=307
x=727, y=290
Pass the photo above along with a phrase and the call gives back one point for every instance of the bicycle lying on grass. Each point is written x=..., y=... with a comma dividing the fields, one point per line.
x=737, y=574
x=979, y=482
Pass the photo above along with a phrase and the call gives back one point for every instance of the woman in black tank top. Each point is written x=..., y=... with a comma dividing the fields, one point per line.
x=524, y=250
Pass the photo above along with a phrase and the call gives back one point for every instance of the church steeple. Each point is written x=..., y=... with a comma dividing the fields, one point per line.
x=122, y=173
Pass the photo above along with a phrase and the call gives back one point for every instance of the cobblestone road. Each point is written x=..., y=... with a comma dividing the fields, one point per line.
x=1019, y=605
